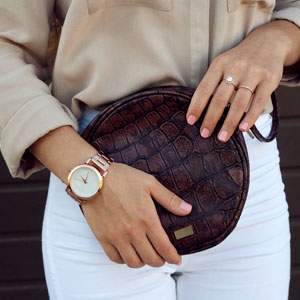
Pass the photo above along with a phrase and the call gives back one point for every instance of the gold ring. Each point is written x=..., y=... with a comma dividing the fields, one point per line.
x=247, y=87
x=229, y=80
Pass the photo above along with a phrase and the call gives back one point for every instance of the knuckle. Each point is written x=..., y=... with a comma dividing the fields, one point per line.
x=151, y=180
x=154, y=262
x=129, y=229
x=240, y=103
x=160, y=264
x=269, y=76
x=210, y=125
x=114, y=236
x=230, y=125
x=274, y=78
x=145, y=219
x=257, y=70
x=134, y=263
x=149, y=261
x=164, y=250
x=172, y=201
x=219, y=101
x=118, y=261
x=172, y=260
x=260, y=101
x=115, y=259
x=241, y=63
x=210, y=121
x=265, y=73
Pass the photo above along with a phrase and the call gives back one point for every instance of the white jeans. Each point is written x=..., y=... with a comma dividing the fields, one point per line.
x=252, y=263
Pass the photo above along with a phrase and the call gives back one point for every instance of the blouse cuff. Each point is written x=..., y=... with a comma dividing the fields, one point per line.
x=32, y=121
x=291, y=74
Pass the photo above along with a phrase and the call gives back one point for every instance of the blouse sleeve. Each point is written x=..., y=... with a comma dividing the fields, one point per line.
x=28, y=110
x=289, y=10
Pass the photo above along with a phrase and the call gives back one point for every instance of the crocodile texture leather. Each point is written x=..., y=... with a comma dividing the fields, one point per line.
x=148, y=131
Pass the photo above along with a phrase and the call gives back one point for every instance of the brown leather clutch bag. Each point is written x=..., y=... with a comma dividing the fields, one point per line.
x=148, y=131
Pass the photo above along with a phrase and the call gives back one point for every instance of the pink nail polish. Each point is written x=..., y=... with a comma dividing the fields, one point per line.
x=204, y=132
x=244, y=126
x=185, y=206
x=223, y=135
x=191, y=119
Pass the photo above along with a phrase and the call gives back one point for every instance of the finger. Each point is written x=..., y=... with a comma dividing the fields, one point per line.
x=161, y=243
x=168, y=199
x=130, y=256
x=238, y=107
x=146, y=252
x=260, y=98
x=216, y=108
x=204, y=91
x=112, y=253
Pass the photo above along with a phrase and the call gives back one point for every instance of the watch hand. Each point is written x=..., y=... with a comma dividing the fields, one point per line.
x=78, y=179
x=83, y=179
x=87, y=176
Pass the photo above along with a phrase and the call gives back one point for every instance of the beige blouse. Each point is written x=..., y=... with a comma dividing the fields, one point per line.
x=109, y=49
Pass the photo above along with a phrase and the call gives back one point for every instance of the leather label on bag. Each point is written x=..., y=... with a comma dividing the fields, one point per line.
x=184, y=232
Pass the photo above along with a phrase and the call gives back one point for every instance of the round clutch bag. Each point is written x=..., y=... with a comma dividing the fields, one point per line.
x=148, y=131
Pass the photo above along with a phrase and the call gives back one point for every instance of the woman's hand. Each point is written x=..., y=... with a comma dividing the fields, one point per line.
x=124, y=219
x=257, y=62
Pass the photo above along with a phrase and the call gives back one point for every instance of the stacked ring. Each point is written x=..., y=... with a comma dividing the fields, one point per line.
x=246, y=87
x=229, y=80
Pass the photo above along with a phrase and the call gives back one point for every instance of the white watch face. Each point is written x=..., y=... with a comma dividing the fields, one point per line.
x=85, y=181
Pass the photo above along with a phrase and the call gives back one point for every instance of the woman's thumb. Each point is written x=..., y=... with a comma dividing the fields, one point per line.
x=169, y=200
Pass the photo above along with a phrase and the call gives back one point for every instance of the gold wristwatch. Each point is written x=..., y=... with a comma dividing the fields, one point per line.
x=85, y=181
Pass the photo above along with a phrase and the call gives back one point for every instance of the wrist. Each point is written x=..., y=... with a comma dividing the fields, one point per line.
x=61, y=150
x=284, y=36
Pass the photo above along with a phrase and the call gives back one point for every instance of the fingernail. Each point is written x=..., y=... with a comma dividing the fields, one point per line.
x=223, y=135
x=244, y=126
x=185, y=206
x=204, y=132
x=191, y=119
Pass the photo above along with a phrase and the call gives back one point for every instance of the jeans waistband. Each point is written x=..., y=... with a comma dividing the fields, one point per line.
x=87, y=116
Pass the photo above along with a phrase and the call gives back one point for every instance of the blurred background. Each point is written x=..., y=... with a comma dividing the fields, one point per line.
x=22, y=207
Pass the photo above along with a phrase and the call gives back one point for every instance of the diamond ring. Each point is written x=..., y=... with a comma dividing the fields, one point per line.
x=229, y=80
